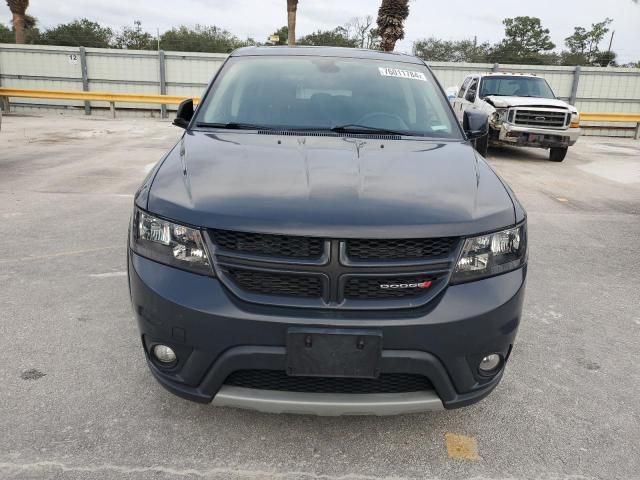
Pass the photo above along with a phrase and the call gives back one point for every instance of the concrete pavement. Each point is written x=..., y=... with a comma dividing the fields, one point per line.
x=77, y=401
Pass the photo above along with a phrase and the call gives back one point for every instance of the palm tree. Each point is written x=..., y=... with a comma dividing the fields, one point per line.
x=391, y=17
x=18, y=9
x=292, y=8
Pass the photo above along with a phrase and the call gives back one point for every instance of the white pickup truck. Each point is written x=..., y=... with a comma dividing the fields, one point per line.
x=522, y=110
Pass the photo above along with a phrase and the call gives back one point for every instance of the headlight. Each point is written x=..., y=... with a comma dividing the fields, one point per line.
x=492, y=254
x=499, y=116
x=575, y=120
x=169, y=243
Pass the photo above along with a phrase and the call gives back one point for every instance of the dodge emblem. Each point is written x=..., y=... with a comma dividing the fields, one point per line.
x=402, y=286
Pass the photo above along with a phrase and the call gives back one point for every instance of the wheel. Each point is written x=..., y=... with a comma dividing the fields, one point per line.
x=557, y=154
x=482, y=145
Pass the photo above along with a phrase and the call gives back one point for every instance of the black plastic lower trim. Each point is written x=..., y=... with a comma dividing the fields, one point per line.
x=274, y=358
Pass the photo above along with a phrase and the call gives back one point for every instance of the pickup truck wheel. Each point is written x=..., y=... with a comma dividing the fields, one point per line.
x=557, y=154
x=482, y=145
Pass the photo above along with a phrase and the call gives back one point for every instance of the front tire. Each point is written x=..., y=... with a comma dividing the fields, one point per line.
x=482, y=145
x=557, y=154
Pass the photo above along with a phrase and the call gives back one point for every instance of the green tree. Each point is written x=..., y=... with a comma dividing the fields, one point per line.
x=199, y=39
x=79, y=33
x=283, y=35
x=526, y=41
x=134, y=38
x=436, y=50
x=31, y=32
x=338, y=37
x=606, y=59
x=292, y=11
x=6, y=34
x=391, y=17
x=584, y=44
x=568, y=58
x=18, y=11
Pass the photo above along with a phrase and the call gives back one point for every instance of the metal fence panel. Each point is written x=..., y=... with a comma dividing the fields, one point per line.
x=31, y=66
x=190, y=68
x=188, y=73
x=452, y=74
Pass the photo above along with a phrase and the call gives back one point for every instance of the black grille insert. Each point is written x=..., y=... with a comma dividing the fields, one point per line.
x=374, y=288
x=541, y=118
x=402, y=249
x=267, y=244
x=279, y=380
x=269, y=283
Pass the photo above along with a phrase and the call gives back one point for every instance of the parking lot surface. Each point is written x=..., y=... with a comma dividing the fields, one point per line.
x=77, y=401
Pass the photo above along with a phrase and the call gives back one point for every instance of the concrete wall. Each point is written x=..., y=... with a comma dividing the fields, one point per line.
x=591, y=89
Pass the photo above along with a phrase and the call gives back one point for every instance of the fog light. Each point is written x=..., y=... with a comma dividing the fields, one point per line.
x=490, y=363
x=164, y=354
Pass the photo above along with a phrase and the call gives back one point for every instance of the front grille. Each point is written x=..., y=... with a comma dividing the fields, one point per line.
x=371, y=288
x=269, y=283
x=405, y=249
x=319, y=272
x=280, y=381
x=541, y=118
x=268, y=245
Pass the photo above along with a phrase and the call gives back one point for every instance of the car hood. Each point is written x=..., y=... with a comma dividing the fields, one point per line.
x=328, y=186
x=503, y=102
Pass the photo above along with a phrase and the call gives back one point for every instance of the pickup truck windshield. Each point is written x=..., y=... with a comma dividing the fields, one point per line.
x=515, y=86
x=309, y=93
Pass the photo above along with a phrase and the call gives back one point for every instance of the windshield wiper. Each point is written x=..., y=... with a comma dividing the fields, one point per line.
x=235, y=126
x=356, y=128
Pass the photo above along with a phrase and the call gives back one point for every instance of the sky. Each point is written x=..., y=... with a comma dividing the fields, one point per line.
x=450, y=20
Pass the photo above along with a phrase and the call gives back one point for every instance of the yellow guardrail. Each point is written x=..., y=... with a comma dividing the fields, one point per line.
x=609, y=117
x=112, y=98
x=93, y=96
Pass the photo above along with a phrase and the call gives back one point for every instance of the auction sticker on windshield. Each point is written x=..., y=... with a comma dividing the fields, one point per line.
x=397, y=72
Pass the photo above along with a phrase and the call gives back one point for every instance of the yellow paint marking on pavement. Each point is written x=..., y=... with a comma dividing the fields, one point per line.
x=461, y=446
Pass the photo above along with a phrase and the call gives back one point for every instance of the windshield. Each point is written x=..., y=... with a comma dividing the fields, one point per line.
x=516, y=86
x=304, y=92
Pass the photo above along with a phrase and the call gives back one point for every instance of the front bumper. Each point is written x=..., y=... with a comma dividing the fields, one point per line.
x=215, y=334
x=327, y=404
x=509, y=134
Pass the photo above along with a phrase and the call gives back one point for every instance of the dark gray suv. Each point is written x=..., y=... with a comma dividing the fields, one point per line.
x=325, y=239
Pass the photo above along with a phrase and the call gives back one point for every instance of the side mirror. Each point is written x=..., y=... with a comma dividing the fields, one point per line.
x=475, y=124
x=184, y=114
x=470, y=96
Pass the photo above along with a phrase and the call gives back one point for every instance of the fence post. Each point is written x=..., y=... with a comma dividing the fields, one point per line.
x=574, y=85
x=85, y=79
x=4, y=101
x=163, y=82
x=496, y=67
